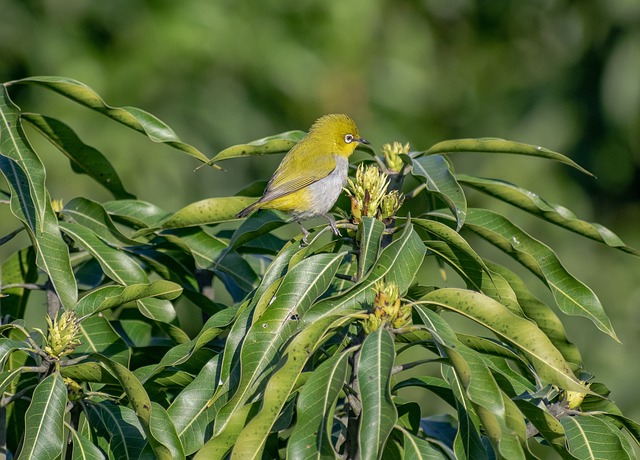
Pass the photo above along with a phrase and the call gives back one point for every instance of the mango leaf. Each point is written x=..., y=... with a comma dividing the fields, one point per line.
x=117, y=428
x=30, y=202
x=551, y=212
x=416, y=448
x=543, y=315
x=379, y=414
x=301, y=286
x=189, y=411
x=253, y=437
x=98, y=336
x=207, y=212
x=44, y=421
x=163, y=430
x=257, y=225
x=310, y=437
x=83, y=448
x=278, y=143
x=138, y=213
x=496, y=145
x=83, y=158
x=93, y=216
x=18, y=269
x=571, y=296
x=459, y=255
x=547, y=425
x=591, y=437
x=398, y=263
x=522, y=333
x=138, y=399
x=370, y=232
x=439, y=179
x=134, y=118
x=204, y=248
x=116, y=264
x=113, y=296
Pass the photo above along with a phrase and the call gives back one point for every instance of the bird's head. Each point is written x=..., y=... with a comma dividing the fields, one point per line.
x=338, y=132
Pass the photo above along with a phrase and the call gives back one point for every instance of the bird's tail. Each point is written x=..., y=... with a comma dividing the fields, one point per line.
x=248, y=210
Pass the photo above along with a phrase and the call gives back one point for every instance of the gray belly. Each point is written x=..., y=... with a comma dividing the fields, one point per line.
x=326, y=191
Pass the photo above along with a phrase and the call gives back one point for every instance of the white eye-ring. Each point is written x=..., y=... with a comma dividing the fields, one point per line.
x=348, y=138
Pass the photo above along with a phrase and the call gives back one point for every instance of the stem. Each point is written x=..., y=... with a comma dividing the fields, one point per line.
x=10, y=236
x=53, y=301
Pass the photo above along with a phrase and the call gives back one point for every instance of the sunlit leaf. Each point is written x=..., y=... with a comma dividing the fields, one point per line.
x=571, y=296
x=495, y=145
x=132, y=117
x=551, y=212
x=207, y=212
x=83, y=448
x=278, y=143
x=591, y=437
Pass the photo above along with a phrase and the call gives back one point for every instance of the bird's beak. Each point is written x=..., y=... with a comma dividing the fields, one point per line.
x=362, y=140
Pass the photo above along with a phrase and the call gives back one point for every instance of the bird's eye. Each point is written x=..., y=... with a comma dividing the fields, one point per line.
x=348, y=138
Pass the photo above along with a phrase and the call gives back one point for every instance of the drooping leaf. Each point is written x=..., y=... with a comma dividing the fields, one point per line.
x=83, y=158
x=571, y=296
x=138, y=213
x=439, y=180
x=44, y=421
x=495, y=145
x=379, y=413
x=551, y=212
x=132, y=117
x=164, y=431
x=83, y=448
x=522, y=333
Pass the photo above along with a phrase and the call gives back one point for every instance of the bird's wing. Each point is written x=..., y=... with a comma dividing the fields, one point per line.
x=281, y=184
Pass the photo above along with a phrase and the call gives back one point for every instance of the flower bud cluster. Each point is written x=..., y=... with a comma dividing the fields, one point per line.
x=62, y=335
x=369, y=195
x=388, y=309
x=392, y=152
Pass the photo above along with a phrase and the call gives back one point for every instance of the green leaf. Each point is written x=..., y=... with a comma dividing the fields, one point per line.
x=522, y=333
x=591, y=437
x=301, y=286
x=93, y=216
x=543, y=315
x=439, y=179
x=118, y=429
x=98, y=336
x=30, y=202
x=19, y=268
x=204, y=248
x=164, y=431
x=83, y=158
x=416, y=448
x=134, y=118
x=83, y=448
x=253, y=437
x=116, y=264
x=207, y=212
x=370, y=233
x=189, y=411
x=379, y=414
x=571, y=296
x=278, y=143
x=547, y=425
x=257, y=225
x=496, y=145
x=8, y=346
x=459, y=255
x=398, y=263
x=137, y=213
x=551, y=212
x=311, y=435
x=113, y=296
x=44, y=421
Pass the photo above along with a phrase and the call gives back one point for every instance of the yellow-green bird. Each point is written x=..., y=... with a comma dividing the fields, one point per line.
x=310, y=177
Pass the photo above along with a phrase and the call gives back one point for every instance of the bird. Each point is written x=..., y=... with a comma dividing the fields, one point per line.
x=310, y=177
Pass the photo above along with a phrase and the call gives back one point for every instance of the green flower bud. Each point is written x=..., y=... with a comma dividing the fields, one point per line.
x=392, y=154
x=61, y=338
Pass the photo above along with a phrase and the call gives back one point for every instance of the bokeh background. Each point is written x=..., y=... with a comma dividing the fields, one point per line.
x=558, y=73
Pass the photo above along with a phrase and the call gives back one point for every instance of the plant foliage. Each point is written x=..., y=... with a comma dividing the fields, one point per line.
x=302, y=351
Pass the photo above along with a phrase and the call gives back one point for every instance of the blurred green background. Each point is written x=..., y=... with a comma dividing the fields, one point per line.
x=562, y=74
